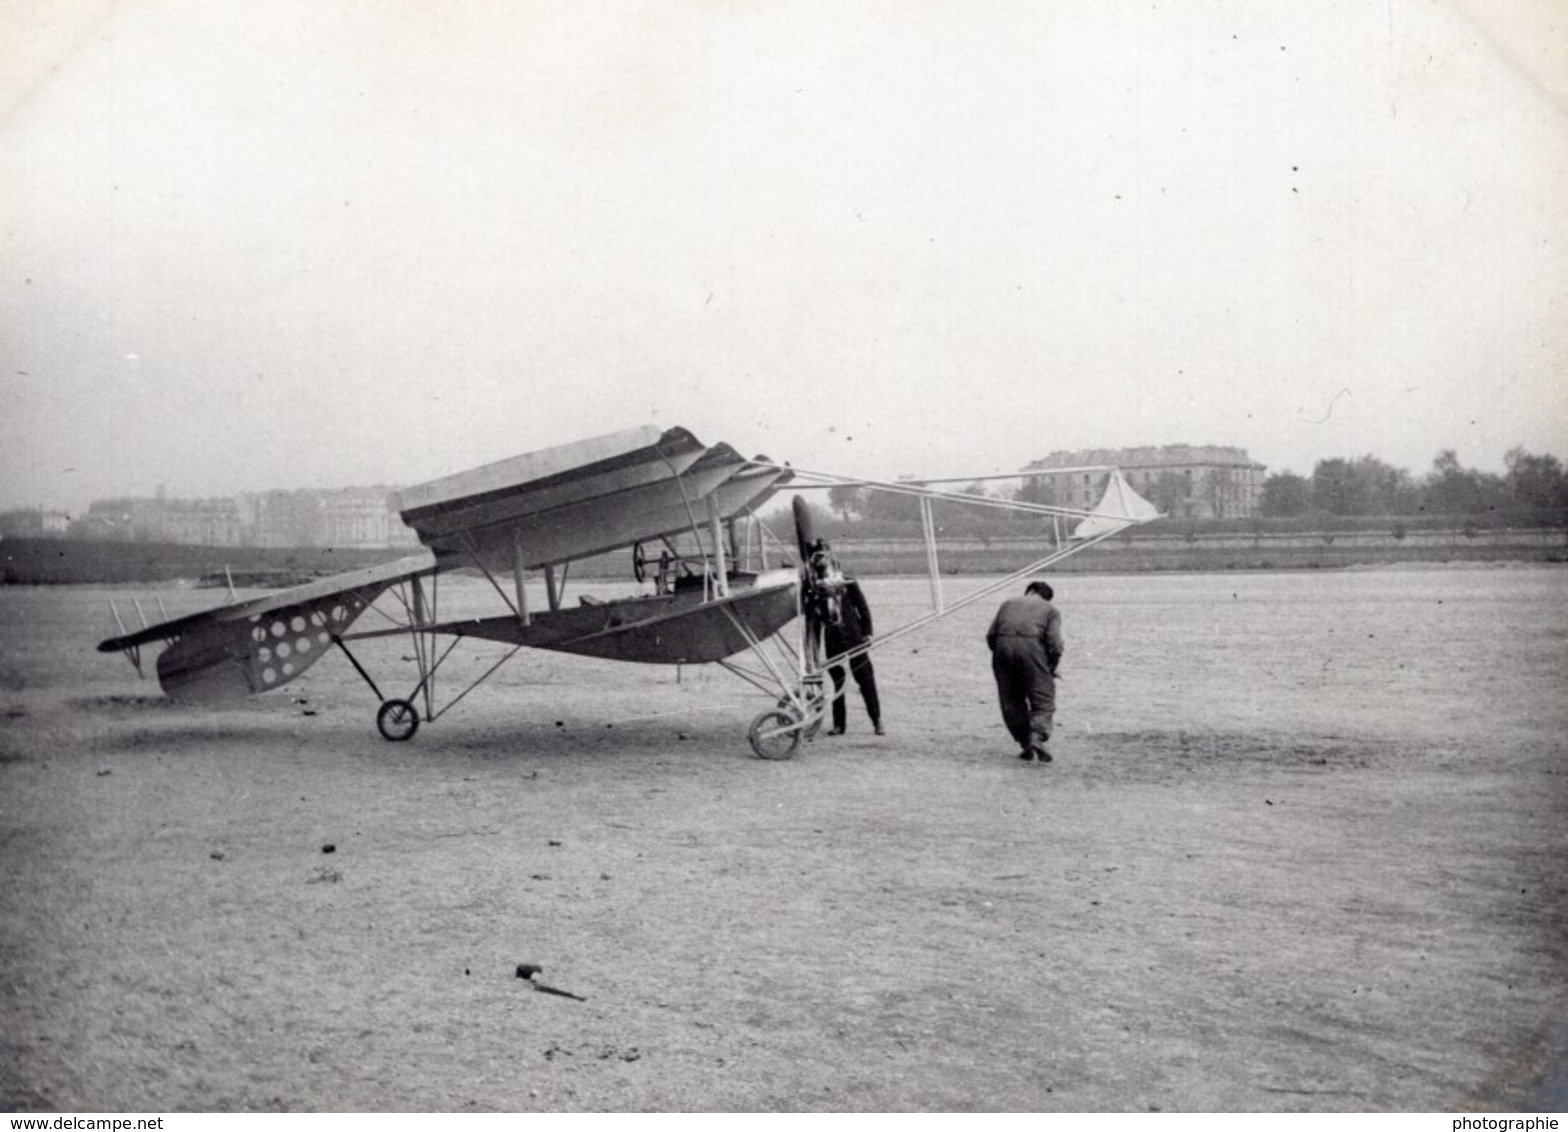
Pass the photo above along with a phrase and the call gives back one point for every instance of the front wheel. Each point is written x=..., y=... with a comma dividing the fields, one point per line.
x=397, y=720
x=775, y=734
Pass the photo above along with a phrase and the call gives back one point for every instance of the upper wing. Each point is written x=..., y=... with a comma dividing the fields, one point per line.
x=584, y=498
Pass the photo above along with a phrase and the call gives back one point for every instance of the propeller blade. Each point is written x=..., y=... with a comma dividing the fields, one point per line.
x=805, y=534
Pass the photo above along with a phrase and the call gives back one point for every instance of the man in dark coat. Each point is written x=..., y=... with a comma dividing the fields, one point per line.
x=1026, y=646
x=845, y=619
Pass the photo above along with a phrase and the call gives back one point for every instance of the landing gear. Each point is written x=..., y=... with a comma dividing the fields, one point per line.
x=775, y=734
x=816, y=708
x=397, y=720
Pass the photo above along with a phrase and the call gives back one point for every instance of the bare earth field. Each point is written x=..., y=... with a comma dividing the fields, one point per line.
x=1302, y=848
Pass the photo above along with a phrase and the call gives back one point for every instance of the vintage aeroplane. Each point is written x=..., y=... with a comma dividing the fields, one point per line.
x=708, y=594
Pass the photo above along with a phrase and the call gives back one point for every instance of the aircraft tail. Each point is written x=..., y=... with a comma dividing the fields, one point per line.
x=1119, y=507
x=224, y=660
x=260, y=644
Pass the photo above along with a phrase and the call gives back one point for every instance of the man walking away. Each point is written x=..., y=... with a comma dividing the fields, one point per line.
x=1026, y=646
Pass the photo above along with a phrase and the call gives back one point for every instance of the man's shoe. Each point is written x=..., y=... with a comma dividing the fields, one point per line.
x=1042, y=754
x=877, y=727
x=835, y=731
x=1027, y=754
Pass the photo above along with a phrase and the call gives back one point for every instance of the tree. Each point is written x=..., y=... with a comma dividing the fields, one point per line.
x=1334, y=488
x=890, y=505
x=1389, y=490
x=1537, y=482
x=1364, y=486
x=1285, y=494
x=1452, y=489
x=979, y=491
x=846, y=498
x=972, y=517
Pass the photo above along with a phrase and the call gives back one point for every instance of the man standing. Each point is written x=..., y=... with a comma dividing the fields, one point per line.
x=846, y=625
x=1026, y=646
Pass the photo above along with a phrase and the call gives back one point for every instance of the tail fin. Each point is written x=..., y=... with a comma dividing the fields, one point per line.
x=1119, y=507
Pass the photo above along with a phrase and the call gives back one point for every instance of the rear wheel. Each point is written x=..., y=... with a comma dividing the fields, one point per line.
x=397, y=720
x=775, y=734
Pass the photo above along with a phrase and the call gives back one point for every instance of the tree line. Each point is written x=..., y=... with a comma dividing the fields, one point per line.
x=1531, y=487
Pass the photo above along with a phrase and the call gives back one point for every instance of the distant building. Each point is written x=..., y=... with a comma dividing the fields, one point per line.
x=355, y=516
x=135, y=519
x=363, y=516
x=347, y=517
x=201, y=522
x=34, y=523
x=285, y=518
x=1182, y=480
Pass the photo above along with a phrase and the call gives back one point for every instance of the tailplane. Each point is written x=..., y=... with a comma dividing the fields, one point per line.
x=256, y=645
x=1118, y=508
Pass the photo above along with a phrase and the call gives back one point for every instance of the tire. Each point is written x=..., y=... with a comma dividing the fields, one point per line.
x=397, y=721
x=775, y=734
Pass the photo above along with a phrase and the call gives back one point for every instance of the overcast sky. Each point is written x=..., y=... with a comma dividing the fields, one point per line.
x=279, y=243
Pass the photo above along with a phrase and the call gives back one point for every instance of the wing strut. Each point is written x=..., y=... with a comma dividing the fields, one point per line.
x=518, y=574
x=517, y=611
x=721, y=578
x=132, y=653
x=928, y=528
x=696, y=529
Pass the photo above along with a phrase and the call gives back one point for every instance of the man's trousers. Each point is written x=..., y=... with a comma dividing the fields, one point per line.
x=1026, y=689
x=866, y=678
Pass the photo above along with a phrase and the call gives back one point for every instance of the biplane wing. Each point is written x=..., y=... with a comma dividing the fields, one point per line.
x=582, y=499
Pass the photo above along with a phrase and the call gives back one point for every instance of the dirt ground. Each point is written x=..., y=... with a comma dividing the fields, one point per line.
x=1302, y=849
